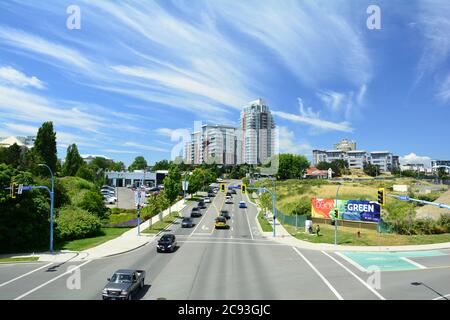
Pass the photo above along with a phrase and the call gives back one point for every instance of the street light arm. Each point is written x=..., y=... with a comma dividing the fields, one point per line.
x=51, y=173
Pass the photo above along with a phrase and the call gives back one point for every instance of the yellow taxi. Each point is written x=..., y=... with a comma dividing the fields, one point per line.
x=221, y=223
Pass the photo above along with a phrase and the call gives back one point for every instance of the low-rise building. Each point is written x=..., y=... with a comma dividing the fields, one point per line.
x=436, y=164
x=21, y=141
x=136, y=178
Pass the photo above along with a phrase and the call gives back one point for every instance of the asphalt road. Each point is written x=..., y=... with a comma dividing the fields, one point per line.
x=238, y=263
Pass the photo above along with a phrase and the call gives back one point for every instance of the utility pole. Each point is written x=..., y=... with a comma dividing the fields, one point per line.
x=52, y=196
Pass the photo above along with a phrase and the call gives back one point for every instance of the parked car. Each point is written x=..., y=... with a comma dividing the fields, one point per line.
x=108, y=193
x=221, y=223
x=110, y=200
x=187, y=222
x=123, y=284
x=167, y=242
x=107, y=187
x=207, y=200
x=225, y=214
x=242, y=204
x=195, y=212
x=211, y=194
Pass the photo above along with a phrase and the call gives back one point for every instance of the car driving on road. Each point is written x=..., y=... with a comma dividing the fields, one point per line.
x=221, y=223
x=187, y=222
x=207, y=200
x=123, y=284
x=242, y=204
x=195, y=213
x=225, y=214
x=167, y=243
x=228, y=199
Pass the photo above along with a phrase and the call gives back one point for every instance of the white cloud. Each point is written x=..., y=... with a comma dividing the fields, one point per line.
x=323, y=124
x=12, y=76
x=288, y=144
x=314, y=41
x=413, y=159
x=115, y=151
x=144, y=147
x=36, y=44
x=164, y=132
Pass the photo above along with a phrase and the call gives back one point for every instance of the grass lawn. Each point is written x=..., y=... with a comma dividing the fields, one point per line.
x=120, y=217
x=161, y=225
x=348, y=236
x=265, y=225
x=19, y=259
x=83, y=244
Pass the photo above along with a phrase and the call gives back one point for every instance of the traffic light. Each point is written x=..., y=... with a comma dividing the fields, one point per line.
x=222, y=187
x=381, y=197
x=243, y=188
x=13, y=190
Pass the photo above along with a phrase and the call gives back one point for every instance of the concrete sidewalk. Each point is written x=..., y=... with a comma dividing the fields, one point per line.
x=284, y=237
x=126, y=242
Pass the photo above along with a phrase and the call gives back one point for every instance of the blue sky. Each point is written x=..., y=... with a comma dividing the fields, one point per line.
x=138, y=74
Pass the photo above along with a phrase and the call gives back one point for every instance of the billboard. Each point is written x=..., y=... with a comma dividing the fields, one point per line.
x=357, y=210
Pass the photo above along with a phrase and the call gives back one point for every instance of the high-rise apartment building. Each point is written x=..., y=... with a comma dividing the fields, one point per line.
x=258, y=133
x=345, y=145
x=252, y=143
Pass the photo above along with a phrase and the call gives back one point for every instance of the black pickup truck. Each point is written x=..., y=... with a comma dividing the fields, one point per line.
x=124, y=284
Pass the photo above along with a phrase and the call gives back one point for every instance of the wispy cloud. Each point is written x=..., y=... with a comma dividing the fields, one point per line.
x=323, y=124
x=434, y=25
x=38, y=45
x=144, y=147
x=9, y=75
x=288, y=143
x=313, y=40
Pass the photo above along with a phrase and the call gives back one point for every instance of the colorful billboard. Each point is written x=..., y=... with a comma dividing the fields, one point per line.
x=358, y=210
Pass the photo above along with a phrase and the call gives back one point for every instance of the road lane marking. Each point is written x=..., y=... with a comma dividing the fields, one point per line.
x=50, y=281
x=354, y=263
x=358, y=278
x=232, y=242
x=24, y=275
x=319, y=274
x=248, y=222
x=418, y=265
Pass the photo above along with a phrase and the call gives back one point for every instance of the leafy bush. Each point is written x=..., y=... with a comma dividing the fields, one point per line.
x=93, y=202
x=75, y=223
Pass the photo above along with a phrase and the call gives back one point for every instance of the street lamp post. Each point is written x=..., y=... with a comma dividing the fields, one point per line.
x=274, y=204
x=336, y=218
x=52, y=196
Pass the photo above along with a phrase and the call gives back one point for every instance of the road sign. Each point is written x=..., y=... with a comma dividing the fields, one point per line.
x=139, y=197
x=403, y=198
x=27, y=188
x=19, y=190
x=185, y=185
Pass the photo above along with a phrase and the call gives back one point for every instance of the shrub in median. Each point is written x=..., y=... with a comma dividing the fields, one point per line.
x=75, y=223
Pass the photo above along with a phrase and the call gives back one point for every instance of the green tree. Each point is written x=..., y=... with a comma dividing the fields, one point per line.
x=73, y=161
x=101, y=163
x=162, y=165
x=195, y=181
x=292, y=166
x=172, y=185
x=45, y=145
x=442, y=174
x=139, y=163
x=371, y=169
x=118, y=166
x=93, y=202
x=24, y=220
x=86, y=172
